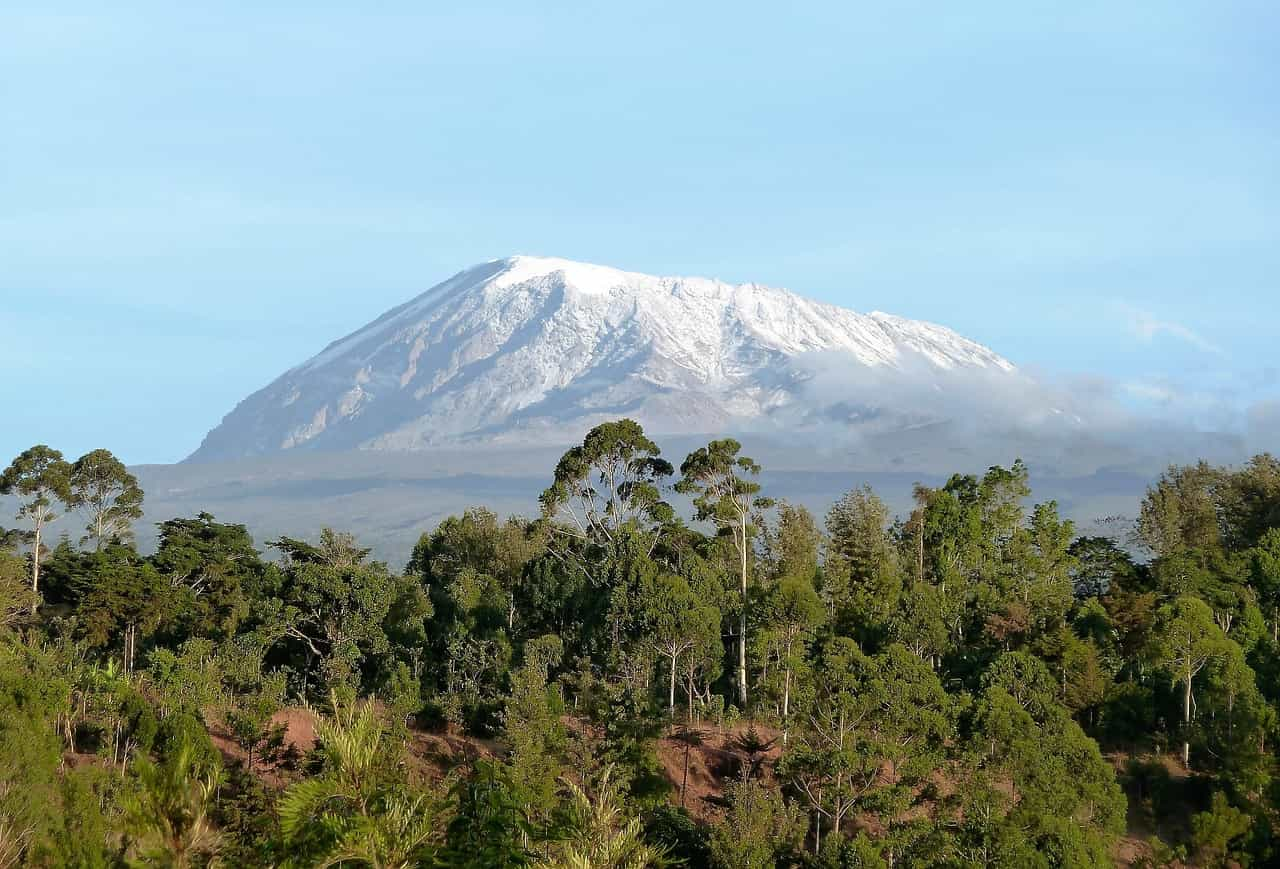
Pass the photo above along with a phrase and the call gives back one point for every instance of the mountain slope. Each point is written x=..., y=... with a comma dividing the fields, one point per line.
x=531, y=349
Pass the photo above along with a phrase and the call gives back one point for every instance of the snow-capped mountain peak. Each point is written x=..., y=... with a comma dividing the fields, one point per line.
x=531, y=348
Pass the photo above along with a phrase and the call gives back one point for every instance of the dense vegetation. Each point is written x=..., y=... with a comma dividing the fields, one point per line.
x=970, y=685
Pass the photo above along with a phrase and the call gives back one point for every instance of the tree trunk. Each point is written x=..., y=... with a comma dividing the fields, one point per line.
x=671, y=701
x=689, y=711
x=786, y=694
x=684, y=782
x=35, y=570
x=1186, y=723
x=920, y=551
x=742, y=623
x=130, y=647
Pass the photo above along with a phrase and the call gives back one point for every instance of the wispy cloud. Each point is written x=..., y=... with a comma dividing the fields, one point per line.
x=1148, y=326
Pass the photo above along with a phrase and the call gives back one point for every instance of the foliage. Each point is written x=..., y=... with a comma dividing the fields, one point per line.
x=953, y=687
x=357, y=811
x=108, y=494
x=596, y=831
x=169, y=814
x=758, y=827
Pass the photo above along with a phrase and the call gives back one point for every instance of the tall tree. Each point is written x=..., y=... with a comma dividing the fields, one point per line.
x=1181, y=511
x=863, y=574
x=213, y=570
x=104, y=489
x=336, y=606
x=1186, y=640
x=857, y=525
x=1265, y=577
x=42, y=479
x=1100, y=565
x=877, y=726
x=675, y=622
x=792, y=612
x=478, y=541
x=793, y=544
x=13, y=590
x=121, y=596
x=719, y=481
x=612, y=481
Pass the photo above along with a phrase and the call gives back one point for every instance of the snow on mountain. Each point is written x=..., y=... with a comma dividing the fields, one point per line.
x=531, y=349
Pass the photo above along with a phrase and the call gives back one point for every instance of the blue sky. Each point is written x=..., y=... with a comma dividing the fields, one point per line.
x=194, y=199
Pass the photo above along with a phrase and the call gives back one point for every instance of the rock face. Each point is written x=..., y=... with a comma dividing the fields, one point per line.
x=535, y=350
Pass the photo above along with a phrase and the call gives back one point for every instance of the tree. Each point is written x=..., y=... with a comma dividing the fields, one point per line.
x=1084, y=679
x=675, y=622
x=1181, y=511
x=826, y=766
x=336, y=606
x=476, y=540
x=358, y=811
x=863, y=575
x=103, y=487
x=758, y=826
x=717, y=479
x=532, y=727
x=920, y=624
x=121, y=596
x=213, y=570
x=858, y=526
x=792, y=613
x=1066, y=803
x=597, y=832
x=1265, y=577
x=253, y=696
x=793, y=544
x=876, y=727
x=489, y=828
x=42, y=479
x=1041, y=564
x=1250, y=501
x=1213, y=831
x=1186, y=640
x=1100, y=566
x=171, y=813
x=611, y=482
x=15, y=598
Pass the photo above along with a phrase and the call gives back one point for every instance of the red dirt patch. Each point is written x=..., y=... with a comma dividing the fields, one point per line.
x=715, y=758
x=299, y=739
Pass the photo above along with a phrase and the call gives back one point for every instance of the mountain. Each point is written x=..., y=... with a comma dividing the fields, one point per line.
x=529, y=350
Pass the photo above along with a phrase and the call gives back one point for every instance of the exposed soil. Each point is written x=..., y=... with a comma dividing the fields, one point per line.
x=715, y=756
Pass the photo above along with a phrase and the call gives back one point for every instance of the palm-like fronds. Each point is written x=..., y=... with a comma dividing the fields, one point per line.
x=170, y=813
x=308, y=802
x=392, y=838
x=598, y=833
x=352, y=740
x=359, y=819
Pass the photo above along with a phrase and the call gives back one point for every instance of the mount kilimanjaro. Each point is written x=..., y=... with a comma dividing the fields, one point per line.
x=534, y=350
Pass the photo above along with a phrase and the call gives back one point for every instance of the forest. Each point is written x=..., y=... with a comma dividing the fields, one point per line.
x=665, y=667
